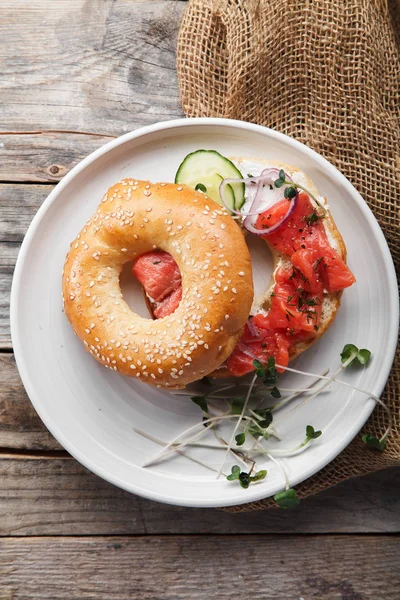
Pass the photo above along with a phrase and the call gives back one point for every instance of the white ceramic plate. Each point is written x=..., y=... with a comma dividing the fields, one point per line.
x=92, y=411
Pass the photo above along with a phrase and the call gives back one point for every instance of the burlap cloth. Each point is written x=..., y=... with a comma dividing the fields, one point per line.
x=326, y=72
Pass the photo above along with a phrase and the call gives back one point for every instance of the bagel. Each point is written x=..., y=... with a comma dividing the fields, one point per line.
x=330, y=301
x=261, y=306
x=134, y=218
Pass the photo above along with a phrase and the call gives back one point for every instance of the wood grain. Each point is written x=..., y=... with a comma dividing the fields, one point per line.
x=20, y=426
x=18, y=206
x=59, y=497
x=174, y=568
x=44, y=156
x=101, y=67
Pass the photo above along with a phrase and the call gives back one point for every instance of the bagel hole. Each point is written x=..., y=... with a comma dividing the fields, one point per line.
x=262, y=264
x=132, y=291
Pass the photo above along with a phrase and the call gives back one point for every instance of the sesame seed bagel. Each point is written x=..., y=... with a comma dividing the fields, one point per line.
x=135, y=217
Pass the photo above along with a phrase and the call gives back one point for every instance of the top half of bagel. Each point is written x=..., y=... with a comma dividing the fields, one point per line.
x=133, y=218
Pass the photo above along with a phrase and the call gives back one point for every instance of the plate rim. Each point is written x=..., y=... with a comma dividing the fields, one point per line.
x=255, y=494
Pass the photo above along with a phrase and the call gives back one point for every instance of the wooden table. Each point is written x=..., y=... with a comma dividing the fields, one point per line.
x=74, y=74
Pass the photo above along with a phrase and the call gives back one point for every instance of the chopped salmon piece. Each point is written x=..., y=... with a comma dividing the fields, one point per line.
x=160, y=276
x=169, y=304
x=158, y=273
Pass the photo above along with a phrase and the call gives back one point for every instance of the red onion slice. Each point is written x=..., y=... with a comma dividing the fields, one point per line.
x=266, y=177
x=265, y=232
x=253, y=329
x=269, y=177
x=246, y=350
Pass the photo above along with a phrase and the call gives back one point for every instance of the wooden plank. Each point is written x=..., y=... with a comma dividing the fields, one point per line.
x=174, y=568
x=44, y=155
x=101, y=66
x=20, y=426
x=8, y=257
x=60, y=497
x=18, y=205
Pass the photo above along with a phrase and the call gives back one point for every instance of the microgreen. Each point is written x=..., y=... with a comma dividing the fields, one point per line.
x=259, y=475
x=245, y=478
x=250, y=418
x=235, y=472
x=311, y=434
x=287, y=499
x=278, y=183
x=271, y=376
x=350, y=351
x=259, y=368
x=200, y=187
x=373, y=442
x=237, y=405
x=265, y=414
x=240, y=439
x=268, y=374
x=201, y=402
x=293, y=188
x=259, y=429
x=290, y=192
x=258, y=432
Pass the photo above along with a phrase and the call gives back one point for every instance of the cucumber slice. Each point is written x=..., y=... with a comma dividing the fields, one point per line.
x=207, y=168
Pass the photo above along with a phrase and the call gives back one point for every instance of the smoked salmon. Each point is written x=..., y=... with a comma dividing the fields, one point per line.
x=297, y=296
x=161, y=279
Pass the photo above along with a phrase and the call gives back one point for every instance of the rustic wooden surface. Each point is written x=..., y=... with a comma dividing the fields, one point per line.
x=179, y=567
x=73, y=75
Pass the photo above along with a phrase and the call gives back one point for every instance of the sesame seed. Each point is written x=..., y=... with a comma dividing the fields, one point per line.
x=234, y=291
x=223, y=226
x=124, y=249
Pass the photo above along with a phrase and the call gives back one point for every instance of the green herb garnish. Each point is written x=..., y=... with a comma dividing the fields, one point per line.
x=373, y=442
x=240, y=439
x=281, y=181
x=245, y=478
x=287, y=499
x=201, y=402
x=358, y=356
x=311, y=434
